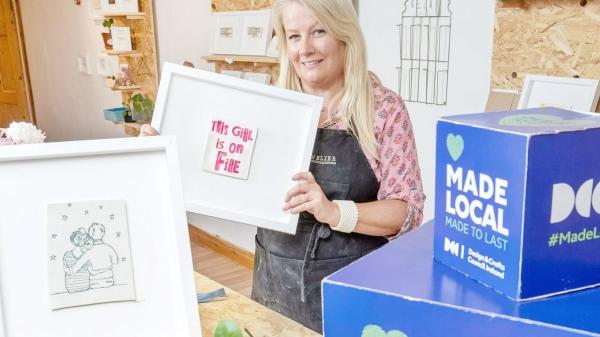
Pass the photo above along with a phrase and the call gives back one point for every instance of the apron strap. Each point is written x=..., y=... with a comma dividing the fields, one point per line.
x=319, y=231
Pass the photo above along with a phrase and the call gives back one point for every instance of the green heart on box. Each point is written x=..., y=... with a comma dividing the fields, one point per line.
x=541, y=120
x=376, y=331
x=455, y=145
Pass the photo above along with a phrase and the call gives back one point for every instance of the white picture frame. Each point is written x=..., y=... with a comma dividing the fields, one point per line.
x=257, y=31
x=119, y=6
x=142, y=171
x=128, y=6
x=226, y=35
x=233, y=73
x=189, y=99
x=262, y=78
x=107, y=65
x=121, y=38
x=576, y=94
x=109, y=6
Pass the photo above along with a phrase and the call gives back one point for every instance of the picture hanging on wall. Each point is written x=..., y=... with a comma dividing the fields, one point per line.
x=89, y=255
x=257, y=31
x=576, y=94
x=226, y=33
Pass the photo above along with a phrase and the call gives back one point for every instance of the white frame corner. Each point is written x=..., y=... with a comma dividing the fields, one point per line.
x=562, y=94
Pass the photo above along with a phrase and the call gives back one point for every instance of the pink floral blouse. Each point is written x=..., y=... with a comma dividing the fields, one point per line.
x=398, y=169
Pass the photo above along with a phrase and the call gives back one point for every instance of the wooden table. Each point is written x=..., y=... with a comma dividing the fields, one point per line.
x=258, y=319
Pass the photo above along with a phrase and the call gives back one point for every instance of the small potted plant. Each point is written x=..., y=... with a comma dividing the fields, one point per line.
x=140, y=107
x=106, y=36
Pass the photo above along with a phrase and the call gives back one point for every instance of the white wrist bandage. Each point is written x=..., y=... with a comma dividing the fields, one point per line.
x=348, y=216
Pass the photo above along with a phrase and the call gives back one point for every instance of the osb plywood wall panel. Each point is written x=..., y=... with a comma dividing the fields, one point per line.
x=547, y=37
x=145, y=68
x=240, y=5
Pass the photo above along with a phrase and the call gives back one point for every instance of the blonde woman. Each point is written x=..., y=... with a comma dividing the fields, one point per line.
x=364, y=185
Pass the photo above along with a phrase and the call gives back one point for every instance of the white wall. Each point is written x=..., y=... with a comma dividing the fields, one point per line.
x=469, y=72
x=183, y=31
x=68, y=104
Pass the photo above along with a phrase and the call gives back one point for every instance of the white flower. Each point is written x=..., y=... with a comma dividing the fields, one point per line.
x=24, y=133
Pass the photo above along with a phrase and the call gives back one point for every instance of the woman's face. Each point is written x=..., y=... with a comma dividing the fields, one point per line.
x=315, y=54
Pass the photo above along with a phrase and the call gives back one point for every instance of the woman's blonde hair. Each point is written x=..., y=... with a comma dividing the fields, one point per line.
x=356, y=102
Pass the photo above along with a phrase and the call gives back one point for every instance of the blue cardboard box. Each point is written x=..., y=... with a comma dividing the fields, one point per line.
x=401, y=291
x=517, y=200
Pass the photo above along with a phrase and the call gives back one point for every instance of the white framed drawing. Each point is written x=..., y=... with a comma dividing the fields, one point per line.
x=576, y=94
x=226, y=35
x=121, y=38
x=257, y=31
x=89, y=255
x=97, y=243
x=189, y=101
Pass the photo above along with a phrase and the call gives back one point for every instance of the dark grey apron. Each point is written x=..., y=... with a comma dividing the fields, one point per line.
x=288, y=269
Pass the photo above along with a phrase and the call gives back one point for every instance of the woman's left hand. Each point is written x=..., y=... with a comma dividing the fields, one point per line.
x=308, y=196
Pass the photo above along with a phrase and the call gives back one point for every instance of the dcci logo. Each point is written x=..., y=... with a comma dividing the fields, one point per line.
x=451, y=246
x=564, y=199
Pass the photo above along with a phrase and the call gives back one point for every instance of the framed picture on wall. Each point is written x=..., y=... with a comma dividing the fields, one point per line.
x=94, y=246
x=576, y=94
x=226, y=33
x=234, y=163
x=257, y=31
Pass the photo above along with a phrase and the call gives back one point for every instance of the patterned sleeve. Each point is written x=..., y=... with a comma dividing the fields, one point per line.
x=398, y=168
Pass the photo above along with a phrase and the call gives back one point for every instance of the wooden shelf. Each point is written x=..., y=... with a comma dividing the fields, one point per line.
x=131, y=16
x=132, y=53
x=129, y=88
x=240, y=58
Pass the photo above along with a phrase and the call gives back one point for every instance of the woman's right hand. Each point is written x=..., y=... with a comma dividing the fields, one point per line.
x=147, y=130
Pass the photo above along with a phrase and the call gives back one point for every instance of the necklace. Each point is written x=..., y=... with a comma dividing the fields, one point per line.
x=332, y=119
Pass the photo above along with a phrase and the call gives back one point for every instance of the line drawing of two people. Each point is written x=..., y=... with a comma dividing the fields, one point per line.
x=89, y=265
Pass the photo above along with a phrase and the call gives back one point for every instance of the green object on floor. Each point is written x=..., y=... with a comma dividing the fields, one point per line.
x=227, y=328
